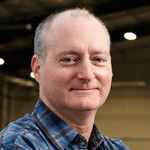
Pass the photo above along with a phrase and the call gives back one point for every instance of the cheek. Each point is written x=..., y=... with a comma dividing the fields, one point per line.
x=105, y=79
x=104, y=76
x=60, y=78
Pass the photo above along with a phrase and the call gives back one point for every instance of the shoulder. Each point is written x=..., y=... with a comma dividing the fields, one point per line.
x=13, y=133
x=115, y=143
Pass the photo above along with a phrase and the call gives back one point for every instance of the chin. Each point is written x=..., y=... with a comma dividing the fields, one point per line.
x=87, y=104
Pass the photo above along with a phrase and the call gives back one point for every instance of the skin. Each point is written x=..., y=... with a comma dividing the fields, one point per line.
x=75, y=78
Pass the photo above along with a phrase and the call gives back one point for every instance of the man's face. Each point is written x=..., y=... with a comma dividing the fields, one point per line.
x=77, y=73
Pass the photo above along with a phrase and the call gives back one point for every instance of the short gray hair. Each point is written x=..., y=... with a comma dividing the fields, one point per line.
x=40, y=34
x=43, y=28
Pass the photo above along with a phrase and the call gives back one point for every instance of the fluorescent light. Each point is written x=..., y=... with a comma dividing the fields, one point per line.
x=2, y=61
x=32, y=75
x=130, y=36
x=29, y=26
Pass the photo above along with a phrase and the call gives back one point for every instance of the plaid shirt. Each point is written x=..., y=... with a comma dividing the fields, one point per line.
x=43, y=130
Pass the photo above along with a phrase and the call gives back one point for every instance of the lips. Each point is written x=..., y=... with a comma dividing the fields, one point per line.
x=83, y=89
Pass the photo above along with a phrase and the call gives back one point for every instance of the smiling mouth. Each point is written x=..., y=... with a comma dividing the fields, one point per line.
x=83, y=90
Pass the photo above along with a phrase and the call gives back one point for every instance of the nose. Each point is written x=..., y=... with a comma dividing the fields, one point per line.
x=85, y=72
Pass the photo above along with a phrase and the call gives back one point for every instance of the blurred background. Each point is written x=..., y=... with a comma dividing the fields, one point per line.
x=126, y=114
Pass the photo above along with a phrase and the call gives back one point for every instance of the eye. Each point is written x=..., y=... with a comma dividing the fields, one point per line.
x=99, y=60
x=69, y=60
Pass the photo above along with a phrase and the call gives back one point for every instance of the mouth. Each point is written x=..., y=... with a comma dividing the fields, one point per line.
x=83, y=89
x=84, y=92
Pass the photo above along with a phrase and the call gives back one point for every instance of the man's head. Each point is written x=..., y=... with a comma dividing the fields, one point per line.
x=72, y=61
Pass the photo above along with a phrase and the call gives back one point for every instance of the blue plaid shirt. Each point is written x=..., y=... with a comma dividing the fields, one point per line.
x=43, y=130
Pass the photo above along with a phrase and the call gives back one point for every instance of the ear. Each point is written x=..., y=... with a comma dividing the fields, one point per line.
x=36, y=67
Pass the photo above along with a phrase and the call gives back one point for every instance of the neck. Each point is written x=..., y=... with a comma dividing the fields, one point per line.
x=81, y=121
x=84, y=130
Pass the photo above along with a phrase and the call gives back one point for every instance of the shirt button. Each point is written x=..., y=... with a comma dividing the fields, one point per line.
x=34, y=134
x=76, y=140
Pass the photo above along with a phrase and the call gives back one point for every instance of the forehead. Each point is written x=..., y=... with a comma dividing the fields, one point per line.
x=79, y=24
x=78, y=34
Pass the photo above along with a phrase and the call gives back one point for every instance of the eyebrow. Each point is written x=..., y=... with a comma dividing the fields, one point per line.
x=69, y=52
x=101, y=52
x=73, y=52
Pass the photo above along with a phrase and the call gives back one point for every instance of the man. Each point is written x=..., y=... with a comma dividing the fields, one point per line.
x=72, y=65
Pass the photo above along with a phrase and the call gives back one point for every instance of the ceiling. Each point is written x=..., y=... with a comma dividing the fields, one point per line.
x=131, y=59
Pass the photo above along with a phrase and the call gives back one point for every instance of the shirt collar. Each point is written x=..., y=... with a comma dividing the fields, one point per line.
x=58, y=131
x=96, y=138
